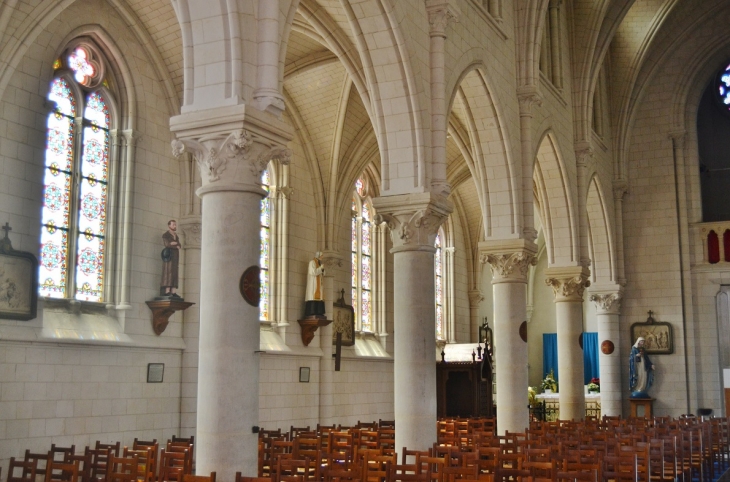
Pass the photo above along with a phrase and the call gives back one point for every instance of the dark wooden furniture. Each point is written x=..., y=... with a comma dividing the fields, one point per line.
x=464, y=389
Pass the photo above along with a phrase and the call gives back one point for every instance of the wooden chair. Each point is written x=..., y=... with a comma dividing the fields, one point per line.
x=27, y=470
x=123, y=469
x=173, y=465
x=182, y=447
x=99, y=459
x=407, y=473
x=59, y=454
x=61, y=471
x=84, y=461
x=144, y=458
x=154, y=449
x=40, y=460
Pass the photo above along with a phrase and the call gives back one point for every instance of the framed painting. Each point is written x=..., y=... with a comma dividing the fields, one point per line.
x=343, y=317
x=18, y=283
x=658, y=336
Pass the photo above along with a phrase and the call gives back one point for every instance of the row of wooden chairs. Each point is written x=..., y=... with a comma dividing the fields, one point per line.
x=106, y=463
x=660, y=449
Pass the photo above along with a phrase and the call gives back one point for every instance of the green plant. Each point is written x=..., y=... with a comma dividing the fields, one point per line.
x=549, y=382
x=595, y=385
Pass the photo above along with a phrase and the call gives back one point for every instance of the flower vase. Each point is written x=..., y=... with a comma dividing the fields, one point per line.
x=548, y=391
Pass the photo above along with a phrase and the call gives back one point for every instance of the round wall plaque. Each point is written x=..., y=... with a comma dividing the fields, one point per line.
x=607, y=347
x=523, y=331
x=250, y=285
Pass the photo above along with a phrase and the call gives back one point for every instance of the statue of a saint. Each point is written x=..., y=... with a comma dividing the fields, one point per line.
x=170, y=260
x=641, y=370
x=314, y=295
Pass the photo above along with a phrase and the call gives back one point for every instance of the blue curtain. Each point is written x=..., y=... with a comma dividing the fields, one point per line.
x=590, y=357
x=549, y=354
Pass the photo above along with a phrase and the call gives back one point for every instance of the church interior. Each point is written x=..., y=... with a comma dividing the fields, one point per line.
x=549, y=176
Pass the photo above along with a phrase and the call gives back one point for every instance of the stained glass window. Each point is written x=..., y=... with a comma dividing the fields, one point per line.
x=73, y=218
x=361, y=242
x=723, y=86
x=265, y=250
x=439, y=291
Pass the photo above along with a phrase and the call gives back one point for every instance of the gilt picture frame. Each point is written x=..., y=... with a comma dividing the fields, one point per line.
x=658, y=336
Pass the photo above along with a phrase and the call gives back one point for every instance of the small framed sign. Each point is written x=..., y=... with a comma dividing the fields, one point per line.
x=304, y=374
x=155, y=372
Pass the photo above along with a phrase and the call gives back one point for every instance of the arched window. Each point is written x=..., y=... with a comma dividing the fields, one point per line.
x=265, y=251
x=362, y=261
x=438, y=267
x=76, y=180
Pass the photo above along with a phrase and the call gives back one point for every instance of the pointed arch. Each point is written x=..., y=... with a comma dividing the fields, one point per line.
x=557, y=203
x=601, y=244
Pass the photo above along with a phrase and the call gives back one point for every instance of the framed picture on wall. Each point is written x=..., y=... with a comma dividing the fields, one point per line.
x=343, y=317
x=658, y=336
x=18, y=281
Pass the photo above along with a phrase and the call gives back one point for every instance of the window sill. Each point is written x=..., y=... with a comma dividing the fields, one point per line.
x=69, y=305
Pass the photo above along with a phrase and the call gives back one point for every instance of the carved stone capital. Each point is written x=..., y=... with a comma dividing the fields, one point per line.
x=583, y=154
x=413, y=219
x=510, y=259
x=568, y=283
x=191, y=230
x=678, y=138
x=231, y=145
x=475, y=298
x=607, y=303
x=509, y=266
x=440, y=13
x=620, y=187
x=528, y=96
x=331, y=260
x=217, y=153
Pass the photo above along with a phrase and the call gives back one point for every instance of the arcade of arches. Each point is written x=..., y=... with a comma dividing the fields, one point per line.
x=567, y=155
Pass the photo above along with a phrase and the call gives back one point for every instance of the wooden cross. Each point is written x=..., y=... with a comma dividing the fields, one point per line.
x=7, y=229
x=651, y=313
x=337, y=355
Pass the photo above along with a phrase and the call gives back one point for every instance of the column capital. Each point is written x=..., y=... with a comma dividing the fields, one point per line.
x=528, y=96
x=568, y=282
x=191, y=229
x=583, y=153
x=413, y=219
x=607, y=302
x=440, y=13
x=231, y=145
x=331, y=260
x=475, y=298
x=509, y=259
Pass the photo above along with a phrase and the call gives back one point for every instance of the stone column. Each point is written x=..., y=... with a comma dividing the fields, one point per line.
x=475, y=299
x=190, y=230
x=510, y=262
x=232, y=147
x=440, y=13
x=608, y=308
x=414, y=220
x=568, y=284
x=332, y=262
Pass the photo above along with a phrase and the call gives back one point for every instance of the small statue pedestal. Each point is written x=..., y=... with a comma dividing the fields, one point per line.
x=309, y=326
x=162, y=310
x=641, y=407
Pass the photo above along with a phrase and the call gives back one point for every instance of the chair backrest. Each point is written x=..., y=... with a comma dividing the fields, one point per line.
x=99, y=460
x=61, y=471
x=144, y=457
x=173, y=466
x=84, y=461
x=240, y=478
x=183, y=447
x=59, y=454
x=41, y=461
x=154, y=447
x=27, y=470
x=123, y=469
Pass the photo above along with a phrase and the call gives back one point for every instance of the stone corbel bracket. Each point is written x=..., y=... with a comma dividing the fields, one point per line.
x=309, y=327
x=162, y=310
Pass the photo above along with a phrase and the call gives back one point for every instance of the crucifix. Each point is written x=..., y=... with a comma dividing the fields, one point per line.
x=7, y=229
